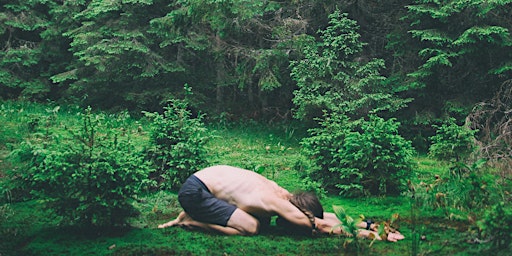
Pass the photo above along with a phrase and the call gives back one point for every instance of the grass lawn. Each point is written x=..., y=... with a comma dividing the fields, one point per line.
x=30, y=230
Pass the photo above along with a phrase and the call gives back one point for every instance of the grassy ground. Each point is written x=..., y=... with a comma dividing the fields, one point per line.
x=30, y=230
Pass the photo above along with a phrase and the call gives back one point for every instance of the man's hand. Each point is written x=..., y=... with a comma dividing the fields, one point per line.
x=394, y=237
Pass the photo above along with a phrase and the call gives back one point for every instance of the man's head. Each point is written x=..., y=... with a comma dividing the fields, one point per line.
x=307, y=201
x=309, y=204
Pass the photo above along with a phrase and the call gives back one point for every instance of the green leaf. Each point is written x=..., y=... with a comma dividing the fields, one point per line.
x=340, y=213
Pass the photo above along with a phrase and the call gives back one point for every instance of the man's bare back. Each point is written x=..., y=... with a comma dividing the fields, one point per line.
x=247, y=190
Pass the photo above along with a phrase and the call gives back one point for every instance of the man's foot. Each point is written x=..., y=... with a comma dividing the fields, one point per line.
x=179, y=221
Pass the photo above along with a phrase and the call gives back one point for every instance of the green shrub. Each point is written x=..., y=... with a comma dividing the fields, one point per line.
x=363, y=157
x=496, y=226
x=177, y=144
x=324, y=143
x=88, y=174
x=452, y=141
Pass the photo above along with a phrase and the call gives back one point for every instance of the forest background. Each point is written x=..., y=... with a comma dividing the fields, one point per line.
x=441, y=57
x=371, y=83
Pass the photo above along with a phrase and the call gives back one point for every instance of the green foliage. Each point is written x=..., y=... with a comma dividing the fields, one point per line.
x=349, y=227
x=350, y=156
x=333, y=76
x=100, y=44
x=135, y=54
x=6, y=214
x=87, y=174
x=472, y=193
x=452, y=142
x=321, y=147
x=460, y=189
x=38, y=230
x=21, y=49
x=233, y=44
x=363, y=157
x=177, y=144
x=379, y=158
x=493, y=226
x=461, y=47
x=114, y=57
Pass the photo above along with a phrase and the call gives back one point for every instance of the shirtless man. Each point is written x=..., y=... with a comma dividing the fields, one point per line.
x=232, y=201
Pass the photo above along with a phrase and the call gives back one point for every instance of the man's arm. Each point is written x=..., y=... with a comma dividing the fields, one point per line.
x=330, y=221
x=292, y=214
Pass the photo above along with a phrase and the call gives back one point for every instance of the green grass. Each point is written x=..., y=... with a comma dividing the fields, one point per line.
x=271, y=152
x=39, y=235
x=27, y=229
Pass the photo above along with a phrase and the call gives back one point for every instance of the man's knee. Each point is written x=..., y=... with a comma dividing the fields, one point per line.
x=245, y=223
x=252, y=228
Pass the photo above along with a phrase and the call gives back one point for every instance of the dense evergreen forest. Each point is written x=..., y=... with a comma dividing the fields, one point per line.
x=435, y=58
x=373, y=85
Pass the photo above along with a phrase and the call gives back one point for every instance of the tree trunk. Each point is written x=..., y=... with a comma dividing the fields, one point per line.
x=219, y=79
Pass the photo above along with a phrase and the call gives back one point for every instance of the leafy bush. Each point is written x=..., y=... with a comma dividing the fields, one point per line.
x=324, y=143
x=87, y=174
x=452, y=141
x=177, y=144
x=363, y=157
x=495, y=226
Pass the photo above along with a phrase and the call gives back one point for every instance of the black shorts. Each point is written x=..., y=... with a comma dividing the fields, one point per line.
x=201, y=205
